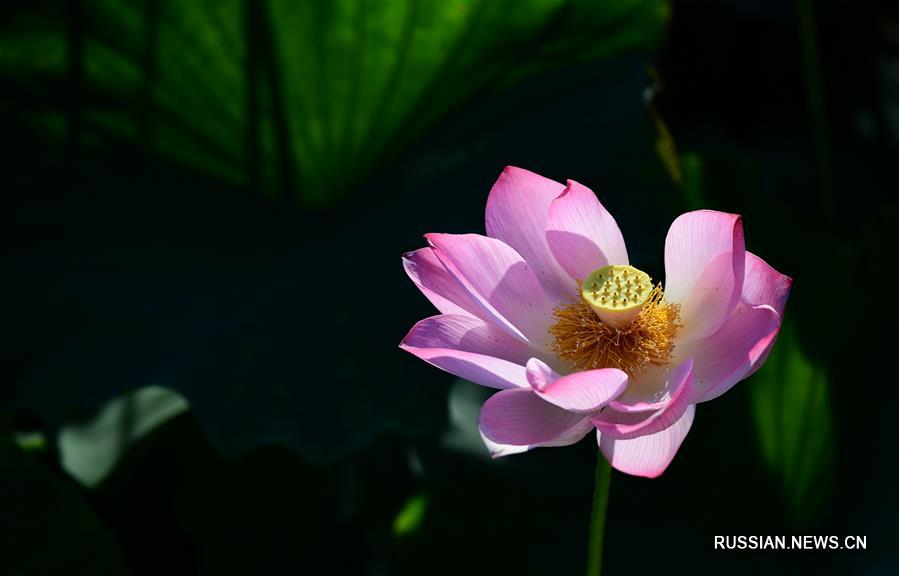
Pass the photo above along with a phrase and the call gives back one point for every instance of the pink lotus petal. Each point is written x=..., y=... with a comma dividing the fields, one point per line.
x=734, y=351
x=762, y=284
x=573, y=435
x=581, y=392
x=636, y=406
x=582, y=234
x=704, y=267
x=471, y=349
x=502, y=283
x=521, y=418
x=469, y=334
x=651, y=389
x=650, y=455
x=437, y=284
x=498, y=450
x=627, y=425
x=516, y=214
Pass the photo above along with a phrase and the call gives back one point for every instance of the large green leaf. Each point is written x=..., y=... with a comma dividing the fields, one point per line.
x=306, y=97
x=791, y=406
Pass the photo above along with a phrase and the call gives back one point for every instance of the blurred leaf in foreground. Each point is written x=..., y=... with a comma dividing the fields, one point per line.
x=89, y=450
x=791, y=407
x=410, y=517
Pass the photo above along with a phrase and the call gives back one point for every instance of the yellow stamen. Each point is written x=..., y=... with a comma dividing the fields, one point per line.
x=586, y=342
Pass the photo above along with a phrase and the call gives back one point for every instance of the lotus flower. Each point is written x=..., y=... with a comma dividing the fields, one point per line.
x=547, y=309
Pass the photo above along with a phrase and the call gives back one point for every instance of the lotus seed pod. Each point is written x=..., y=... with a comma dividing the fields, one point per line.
x=617, y=294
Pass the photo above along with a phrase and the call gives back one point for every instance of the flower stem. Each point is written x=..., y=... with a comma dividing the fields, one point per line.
x=598, y=518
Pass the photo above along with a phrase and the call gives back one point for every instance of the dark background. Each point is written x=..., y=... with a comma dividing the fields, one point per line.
x=205, y=206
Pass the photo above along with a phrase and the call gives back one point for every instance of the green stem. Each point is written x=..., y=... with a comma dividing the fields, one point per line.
x=598, y=518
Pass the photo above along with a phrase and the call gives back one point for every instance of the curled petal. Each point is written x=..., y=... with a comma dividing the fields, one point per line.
x=582, y=234
x=762, y=284
x=520, y=417
x=632, y=424
x=649, y=455
x=652, y=389
x=516, y=214
x=581, y=392
x=499, y=280
x=471, y=349
x=704, y=269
